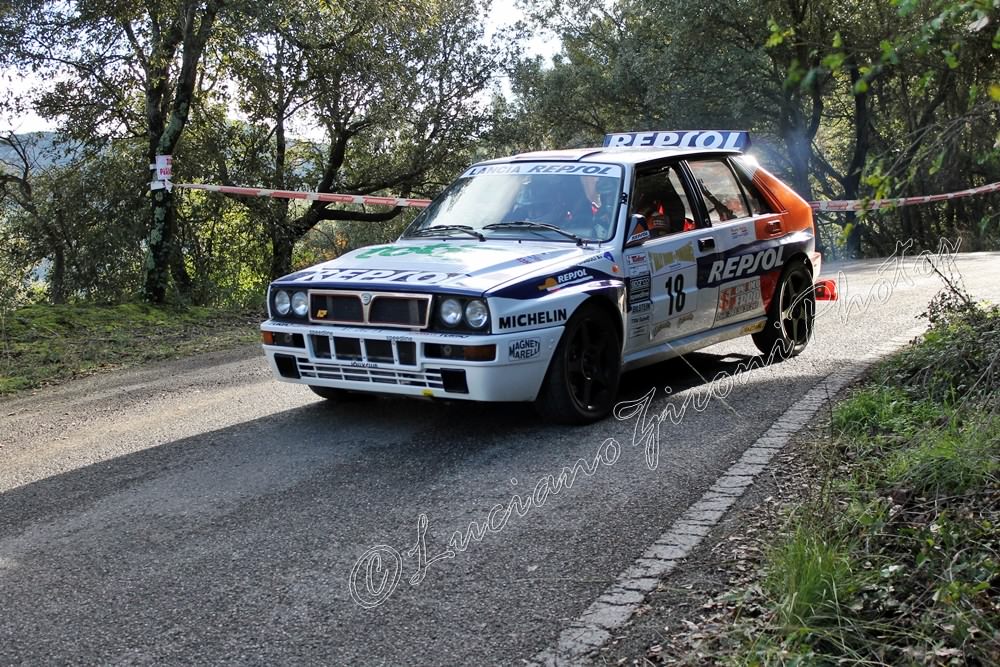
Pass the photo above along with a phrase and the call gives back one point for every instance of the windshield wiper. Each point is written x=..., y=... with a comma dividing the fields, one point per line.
x=528, y=224
x=436, y=229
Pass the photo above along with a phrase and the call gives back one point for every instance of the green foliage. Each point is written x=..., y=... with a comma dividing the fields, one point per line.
x=879, y=410
x=846, y=100
x=810, y=577
x=894, y=561
x=41, y=343
x=363, y=97
x=950, y=460
x=959, y=359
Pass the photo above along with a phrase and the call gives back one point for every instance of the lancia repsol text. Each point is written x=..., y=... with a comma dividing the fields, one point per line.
x=533, y=319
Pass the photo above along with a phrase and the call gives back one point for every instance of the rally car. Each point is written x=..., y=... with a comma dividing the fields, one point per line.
x=543, y=276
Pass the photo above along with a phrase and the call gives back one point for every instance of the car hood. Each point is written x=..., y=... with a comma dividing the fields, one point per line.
x=473, y=266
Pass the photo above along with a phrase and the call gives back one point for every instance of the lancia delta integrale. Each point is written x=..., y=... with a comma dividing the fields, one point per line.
x=543, y=276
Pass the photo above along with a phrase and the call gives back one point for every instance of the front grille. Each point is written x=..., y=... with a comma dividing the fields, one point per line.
x=385, y=309
x=345, y=308
x=427, y=380
x=375, y=350
x=398, y=311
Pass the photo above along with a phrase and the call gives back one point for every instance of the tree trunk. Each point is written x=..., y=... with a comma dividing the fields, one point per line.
x=281, y=253
x=166, y=120
x=161, y=239
x=57, y=279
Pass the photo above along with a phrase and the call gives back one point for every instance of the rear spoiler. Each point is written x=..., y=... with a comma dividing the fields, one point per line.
x=725, y=139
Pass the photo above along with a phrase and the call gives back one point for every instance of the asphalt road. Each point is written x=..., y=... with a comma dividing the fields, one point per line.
x=200, y=511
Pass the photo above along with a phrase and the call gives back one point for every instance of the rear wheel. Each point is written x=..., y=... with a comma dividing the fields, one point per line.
x=791, y=314
x=582, y=382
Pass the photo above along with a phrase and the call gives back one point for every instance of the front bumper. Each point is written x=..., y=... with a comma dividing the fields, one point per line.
x=398, y=362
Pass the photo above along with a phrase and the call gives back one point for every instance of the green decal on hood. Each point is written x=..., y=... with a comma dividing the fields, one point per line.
x=437, y=250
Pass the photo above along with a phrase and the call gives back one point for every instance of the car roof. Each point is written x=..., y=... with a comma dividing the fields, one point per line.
x=614, y=155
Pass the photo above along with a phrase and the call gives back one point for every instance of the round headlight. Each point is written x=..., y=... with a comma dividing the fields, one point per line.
x=476, y=314
x=300, y=304
x=282, y=303
x=451, y=312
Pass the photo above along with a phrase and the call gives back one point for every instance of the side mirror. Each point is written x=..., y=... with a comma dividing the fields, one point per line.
x=637, y=233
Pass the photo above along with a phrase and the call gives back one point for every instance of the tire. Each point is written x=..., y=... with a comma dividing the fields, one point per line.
x=582, y=381
x=340, y=395
x=791, y=314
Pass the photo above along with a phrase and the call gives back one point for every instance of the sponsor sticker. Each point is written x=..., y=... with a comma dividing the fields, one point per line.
x=689, y=139
x=436, y=250
x=739, y=299
x=373, y=276
x=531, y=259
x=752, y=328
x=661, y=327
x=523, y=348
x=553, y=283
x=671, y=258
x=596, y=258
x=639, y=289
x=639, y=326
x=533, y=319
x=745, y=265
x=740, y=232
x=637, y=263
x=561, y=168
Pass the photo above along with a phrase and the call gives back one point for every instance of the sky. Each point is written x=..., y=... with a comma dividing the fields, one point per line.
x=504, y=12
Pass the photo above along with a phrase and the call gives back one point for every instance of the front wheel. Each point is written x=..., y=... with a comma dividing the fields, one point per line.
x=582, y=382
x=791, y=314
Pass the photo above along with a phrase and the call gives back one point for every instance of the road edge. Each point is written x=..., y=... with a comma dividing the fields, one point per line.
x=615, y=606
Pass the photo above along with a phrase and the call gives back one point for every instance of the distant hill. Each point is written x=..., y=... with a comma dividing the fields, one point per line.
x=43, y=148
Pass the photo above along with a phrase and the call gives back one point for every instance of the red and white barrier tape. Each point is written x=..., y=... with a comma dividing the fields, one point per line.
x=873, y=204
x=309, y=196
x=822, y=206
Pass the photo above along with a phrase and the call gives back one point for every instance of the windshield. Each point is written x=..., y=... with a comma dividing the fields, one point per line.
x=553, y=201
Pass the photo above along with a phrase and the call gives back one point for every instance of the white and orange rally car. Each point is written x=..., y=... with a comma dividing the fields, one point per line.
x=543, y=276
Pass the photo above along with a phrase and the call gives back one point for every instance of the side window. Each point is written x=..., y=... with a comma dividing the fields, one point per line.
x=758, y=204
x=723, y=196
x=660, y=198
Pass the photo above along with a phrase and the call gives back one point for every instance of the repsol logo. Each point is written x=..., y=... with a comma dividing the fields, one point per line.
x=377, y=275
x=745, y=265
x=533, y=319
x=572, y=275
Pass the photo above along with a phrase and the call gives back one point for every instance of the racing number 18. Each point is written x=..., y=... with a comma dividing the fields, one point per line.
x=675, y=294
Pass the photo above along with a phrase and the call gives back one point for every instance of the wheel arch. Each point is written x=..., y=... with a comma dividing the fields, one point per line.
x=774, y=283
x=611, y=304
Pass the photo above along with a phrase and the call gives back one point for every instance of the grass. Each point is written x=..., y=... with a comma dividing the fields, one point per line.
x=43, y=344
x=894, y=557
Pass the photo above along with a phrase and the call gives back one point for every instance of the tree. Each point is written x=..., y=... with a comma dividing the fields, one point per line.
x=99, y=55
x=402, y=124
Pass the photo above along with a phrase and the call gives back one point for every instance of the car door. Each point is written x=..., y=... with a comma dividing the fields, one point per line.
x=662, y=258
x=743, y=260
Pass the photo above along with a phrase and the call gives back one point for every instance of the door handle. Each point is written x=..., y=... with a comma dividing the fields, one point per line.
x=706, y=244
